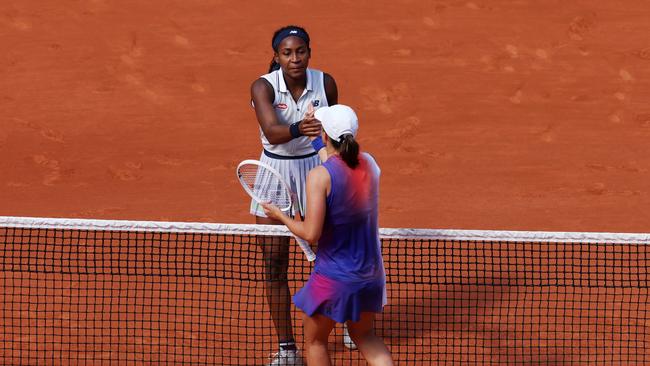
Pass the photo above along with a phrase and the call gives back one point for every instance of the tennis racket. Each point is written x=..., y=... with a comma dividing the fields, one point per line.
x=265, y=185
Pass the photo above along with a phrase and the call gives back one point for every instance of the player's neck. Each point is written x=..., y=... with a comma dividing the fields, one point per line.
x=331, y=151
x=295, y=85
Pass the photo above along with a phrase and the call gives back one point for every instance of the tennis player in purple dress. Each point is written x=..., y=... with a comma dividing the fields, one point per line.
x=348, y=282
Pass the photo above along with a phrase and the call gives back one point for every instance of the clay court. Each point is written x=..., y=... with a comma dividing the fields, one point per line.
x=514, y=115
x=484, y=115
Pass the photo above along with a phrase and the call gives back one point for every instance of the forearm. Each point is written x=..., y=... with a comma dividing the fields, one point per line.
x=278, y=134
x=301, y=229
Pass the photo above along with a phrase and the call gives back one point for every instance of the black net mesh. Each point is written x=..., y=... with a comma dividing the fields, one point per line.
x=113, y=297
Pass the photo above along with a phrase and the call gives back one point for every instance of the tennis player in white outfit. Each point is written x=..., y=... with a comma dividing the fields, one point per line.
x=281, y=100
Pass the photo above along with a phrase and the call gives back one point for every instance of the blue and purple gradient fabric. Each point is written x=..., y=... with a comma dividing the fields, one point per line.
x=348, y=276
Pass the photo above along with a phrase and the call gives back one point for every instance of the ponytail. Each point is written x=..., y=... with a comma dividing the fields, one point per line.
x=273, y=66
x=348, y=149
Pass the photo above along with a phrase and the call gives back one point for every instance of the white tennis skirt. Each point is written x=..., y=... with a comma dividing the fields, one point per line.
x=294, y=171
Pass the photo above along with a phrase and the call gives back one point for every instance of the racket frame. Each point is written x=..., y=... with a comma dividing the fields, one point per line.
x=272, y=171
x=304, y=245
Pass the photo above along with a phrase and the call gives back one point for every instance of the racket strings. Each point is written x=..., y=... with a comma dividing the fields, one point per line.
x=265, y=185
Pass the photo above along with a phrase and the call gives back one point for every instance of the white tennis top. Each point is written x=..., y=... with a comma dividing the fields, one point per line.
x=290, y=111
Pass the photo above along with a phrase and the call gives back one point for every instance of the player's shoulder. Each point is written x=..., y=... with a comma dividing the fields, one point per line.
x=318, y=174
x=320, y=74
x=319, y=170
x=368, y=156
x=270, y=75
x=262, y=82
x=262, y=89
x=316, y=71
x=328, y=78
x=371, y=161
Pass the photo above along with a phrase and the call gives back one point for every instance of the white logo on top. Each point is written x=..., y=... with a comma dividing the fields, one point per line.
x=293, y=31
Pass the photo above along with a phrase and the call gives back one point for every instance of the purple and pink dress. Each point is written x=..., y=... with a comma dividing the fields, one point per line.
x=348, y=276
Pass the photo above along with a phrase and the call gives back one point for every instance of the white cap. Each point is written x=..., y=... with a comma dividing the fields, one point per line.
x=338, y=120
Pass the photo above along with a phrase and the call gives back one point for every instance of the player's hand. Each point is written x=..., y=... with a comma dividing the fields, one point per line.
x=272, y=211
x=310, y=111
x=310, y=124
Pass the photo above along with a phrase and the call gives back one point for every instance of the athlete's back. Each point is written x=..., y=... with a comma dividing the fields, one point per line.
x=349, y=247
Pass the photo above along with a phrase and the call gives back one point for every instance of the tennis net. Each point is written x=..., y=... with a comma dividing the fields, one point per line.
x=130, y=292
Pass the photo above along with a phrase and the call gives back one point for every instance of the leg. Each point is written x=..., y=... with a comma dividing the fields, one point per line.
x=278, y=297
x=317, y=330
x=371, y=347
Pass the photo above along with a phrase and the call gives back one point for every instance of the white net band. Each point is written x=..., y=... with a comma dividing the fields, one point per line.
x=276, y=230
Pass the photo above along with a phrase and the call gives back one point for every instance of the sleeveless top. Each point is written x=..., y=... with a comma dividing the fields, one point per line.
x=349, y=248
x=290, y=111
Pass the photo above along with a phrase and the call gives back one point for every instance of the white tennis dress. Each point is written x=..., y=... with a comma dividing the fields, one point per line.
x=295, y=158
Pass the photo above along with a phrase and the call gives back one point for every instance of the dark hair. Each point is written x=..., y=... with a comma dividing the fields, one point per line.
x=274, y=65
x=348, y=148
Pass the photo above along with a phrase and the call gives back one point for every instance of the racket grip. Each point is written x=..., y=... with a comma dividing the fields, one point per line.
x=304, y=245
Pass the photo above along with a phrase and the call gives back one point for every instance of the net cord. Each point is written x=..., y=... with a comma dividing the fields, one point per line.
x=278, y=230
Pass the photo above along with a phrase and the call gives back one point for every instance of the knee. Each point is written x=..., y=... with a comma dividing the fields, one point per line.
x=276, y=262
x=315, y=344
x=358, y=335
x=276, y=270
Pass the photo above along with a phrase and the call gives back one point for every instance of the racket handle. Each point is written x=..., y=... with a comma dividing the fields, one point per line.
x=304, y=245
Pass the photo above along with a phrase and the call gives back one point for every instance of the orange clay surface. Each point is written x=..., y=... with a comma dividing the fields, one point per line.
x=518, y=115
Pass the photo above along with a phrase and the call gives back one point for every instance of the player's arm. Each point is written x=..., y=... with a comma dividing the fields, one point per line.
x=311, y=228
x=332, y=94
x=262, y=96
x=331, y=91
x=318, y=146
x=322, y=154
